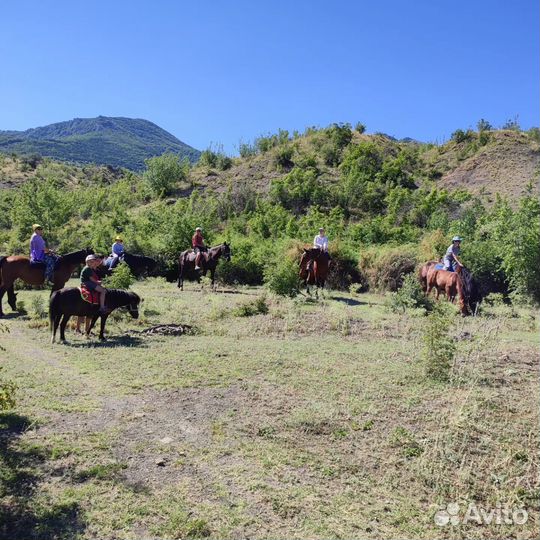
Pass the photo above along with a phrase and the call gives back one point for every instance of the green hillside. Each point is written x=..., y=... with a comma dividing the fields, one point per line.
x=119, y=142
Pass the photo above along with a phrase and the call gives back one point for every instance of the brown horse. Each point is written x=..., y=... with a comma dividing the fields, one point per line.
x=423, y=272
x=19, y=267
x=209, y=261
x=314, y=268
x=459, y=283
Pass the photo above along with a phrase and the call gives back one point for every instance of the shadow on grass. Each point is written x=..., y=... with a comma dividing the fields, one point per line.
x=22, y=514
x=348, y=301
x=110, y=342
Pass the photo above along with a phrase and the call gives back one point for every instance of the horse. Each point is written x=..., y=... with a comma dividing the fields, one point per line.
x=68, y=301
x=139, y=265
x=316, y=272
x=209, y=261
x=17, y=266
x=459, y=283
x=423, y=272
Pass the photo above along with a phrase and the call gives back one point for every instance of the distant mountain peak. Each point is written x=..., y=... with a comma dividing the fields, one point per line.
x=104, y=140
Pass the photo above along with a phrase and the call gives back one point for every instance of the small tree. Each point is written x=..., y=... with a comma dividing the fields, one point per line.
x=484, y=125
x=121, y=278
x=163, y=172
x=361, y=128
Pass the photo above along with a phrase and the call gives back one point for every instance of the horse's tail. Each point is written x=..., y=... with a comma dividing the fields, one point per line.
x=54, y=300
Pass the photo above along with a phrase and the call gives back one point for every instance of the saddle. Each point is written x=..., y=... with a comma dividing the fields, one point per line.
x=92, y=297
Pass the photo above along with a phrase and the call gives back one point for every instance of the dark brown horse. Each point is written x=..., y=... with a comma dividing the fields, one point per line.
x=19, y=267
x=314, y=268
x=459, y=283
x=209, y=261
x=67, y=302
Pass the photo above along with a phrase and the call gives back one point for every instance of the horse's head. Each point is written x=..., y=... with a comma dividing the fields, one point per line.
x=226, y=251
x=133, y=306
x=304, y=261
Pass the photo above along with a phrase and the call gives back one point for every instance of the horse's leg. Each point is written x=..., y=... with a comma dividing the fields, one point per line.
x=54, y=328
x=91, y=324
x=63, y=325
x=102, y=327
x=180, y=278
x=213, y=276
x=2, y=290
x=12, y=298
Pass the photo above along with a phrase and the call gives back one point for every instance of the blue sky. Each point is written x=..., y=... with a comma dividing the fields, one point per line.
x=217, y=72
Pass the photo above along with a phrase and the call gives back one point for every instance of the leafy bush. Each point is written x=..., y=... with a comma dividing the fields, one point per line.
x=164, y=172
x=121, y=278
x=38, y=309
x=385, y=267
x=410, y=296
x=484, y=125
x=361, y=128
x=283, y=157
x=439, y=348
x=254, y=307
x=281, y=277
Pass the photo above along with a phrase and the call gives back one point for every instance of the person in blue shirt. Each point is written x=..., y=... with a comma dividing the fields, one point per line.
x=451, y=260
x=117, y=251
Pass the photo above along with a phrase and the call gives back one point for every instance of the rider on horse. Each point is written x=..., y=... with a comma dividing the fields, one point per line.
x=197, y=242
x=40, y=254
x=90, y=280
x=117, y=252
x=320, y=242
x=451, y=260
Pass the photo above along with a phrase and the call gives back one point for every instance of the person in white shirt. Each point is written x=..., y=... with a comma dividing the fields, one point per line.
x=321, y=241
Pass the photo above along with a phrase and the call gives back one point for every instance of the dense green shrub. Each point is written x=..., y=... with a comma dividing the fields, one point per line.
x=410, y=296
x=164, y=172
x=281, y=277
x=121, y=278
x=384, y=267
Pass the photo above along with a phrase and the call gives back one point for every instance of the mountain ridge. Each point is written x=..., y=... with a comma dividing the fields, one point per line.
x=103, y=140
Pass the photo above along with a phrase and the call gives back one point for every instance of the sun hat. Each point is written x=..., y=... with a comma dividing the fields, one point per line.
x=91, y=258
x=36, y=226
x=198, y=229
x=456, y=239
x=119, y=238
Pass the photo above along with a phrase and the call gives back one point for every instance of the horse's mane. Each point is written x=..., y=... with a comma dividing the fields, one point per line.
x=74, y=256
x=121, y=294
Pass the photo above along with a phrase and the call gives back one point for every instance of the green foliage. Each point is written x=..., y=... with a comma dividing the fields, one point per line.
x=460, y=136
x=164, y=172
x=384, y=268
x=254, y=307
x=361, y=128
x=121, y=278
x=38, y=309
x=298, y=189
x=283, y=157
x=483, y=125
x=512, y=124
x=215, y=159
x=410, y=296
x=439, y=348
x=281, y=277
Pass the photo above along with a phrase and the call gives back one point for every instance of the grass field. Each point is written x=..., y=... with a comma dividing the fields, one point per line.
x=315, y=420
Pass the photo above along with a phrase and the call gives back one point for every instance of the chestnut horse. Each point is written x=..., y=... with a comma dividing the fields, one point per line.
x=423, y=272
x=459, y=283
x=19, y=267
x=314, y=268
